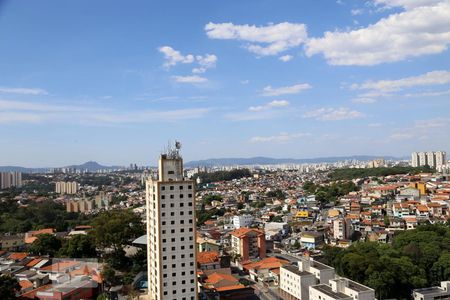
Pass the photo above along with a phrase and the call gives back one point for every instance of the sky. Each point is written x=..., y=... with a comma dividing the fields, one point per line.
x=115, y=81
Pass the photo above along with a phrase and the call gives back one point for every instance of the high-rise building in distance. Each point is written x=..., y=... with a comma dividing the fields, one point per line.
x=171, y=252
x=434, y=159
x=10, y=179
x=63, y=187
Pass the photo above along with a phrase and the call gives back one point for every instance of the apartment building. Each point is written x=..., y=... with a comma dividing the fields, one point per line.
x=171, y=252
x=242, y=221
x=342, y=228
x=10, y=179
x=342, y=289
x=311, y=280
x=295, y=280
x=431, y=293
x=64, y=188
x=434, y=159
x=249, y=243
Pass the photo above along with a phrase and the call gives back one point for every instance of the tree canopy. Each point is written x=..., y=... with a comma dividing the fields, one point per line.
x=45, y=244
x=8, y=287
x=353, y=173
x=113, y=229
x=223, y=175
x=416, y=258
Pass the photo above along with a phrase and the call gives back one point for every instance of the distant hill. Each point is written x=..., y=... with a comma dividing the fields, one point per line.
x=22, y=169
x=90, y=166
x=275, y=161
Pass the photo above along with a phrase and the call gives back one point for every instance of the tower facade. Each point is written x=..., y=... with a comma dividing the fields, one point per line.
x=171, y=252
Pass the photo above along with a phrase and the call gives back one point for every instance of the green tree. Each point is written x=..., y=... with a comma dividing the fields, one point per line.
x=45, y=244
x=78, y=246
x=114, y=229
x=8, y=287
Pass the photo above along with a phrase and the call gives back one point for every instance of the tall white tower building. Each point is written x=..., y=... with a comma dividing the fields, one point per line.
x=171, y=252
x=431, y=159
x=415, y=159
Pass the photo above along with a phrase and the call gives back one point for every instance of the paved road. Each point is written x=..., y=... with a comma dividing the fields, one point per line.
x=266, y=293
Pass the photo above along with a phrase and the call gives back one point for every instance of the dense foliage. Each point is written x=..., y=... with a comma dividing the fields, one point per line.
x=417, y=258
x=45, y=244
x=352, y=173
x=276, y=194
x=8, y=287
x=114, y=229
x=223, y=175
x=47, y=214
x=205, y=215
x=329, y=192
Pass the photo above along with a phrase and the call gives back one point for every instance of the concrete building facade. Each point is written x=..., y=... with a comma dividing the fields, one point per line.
x=171, y=252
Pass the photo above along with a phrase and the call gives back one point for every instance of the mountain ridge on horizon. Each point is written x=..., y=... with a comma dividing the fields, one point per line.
x=94, y=166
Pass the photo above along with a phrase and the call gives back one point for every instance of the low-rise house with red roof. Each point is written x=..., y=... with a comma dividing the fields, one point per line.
x=208, y=260
x=265, y=270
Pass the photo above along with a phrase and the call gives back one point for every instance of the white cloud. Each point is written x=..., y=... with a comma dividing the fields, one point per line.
x=364, y=100
x=246, y=81
x=285, y=58
x=406, y=4
x=30, y=106
x=419, y=31
x=206, y=62
x=23, y=91
x=433, y=129
x=402, y=136
x=356, y=12
x=28, y=112
x=282, y=137
x=333, y=114
x=174, y=57
x=427, y=94
x=430, y=78
x=275, y=103
x=190, y=79
x=19, y=117
x=269, y=91
x=263, y=40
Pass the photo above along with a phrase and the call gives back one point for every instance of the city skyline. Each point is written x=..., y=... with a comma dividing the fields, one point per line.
x=111, y=83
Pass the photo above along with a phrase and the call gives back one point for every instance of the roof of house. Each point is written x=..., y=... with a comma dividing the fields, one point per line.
x=18, y=255
x=60, y=266
x=215, y=278
x=244, y=231
x=266, y=263
x=207, y=257
x=25, y=284
x=231, y=287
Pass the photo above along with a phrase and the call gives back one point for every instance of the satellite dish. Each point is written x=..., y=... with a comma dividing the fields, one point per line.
x=177, y=145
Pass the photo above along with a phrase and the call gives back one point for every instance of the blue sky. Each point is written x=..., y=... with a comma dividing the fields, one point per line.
x=113, y=81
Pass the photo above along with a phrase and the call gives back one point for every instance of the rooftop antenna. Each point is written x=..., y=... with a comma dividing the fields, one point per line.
x=173, y=151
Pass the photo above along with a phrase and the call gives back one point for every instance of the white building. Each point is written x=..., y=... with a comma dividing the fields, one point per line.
x=342, y=289
x=342, y=229
x=423, y=159
x=296, y=280
x=10, y=179
x=242, y=221
x=431, y=293
x=69, y=188
x=434, y=159
x=431, y=159
x=171, y=232
x=311, y=280
x=415, y=159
